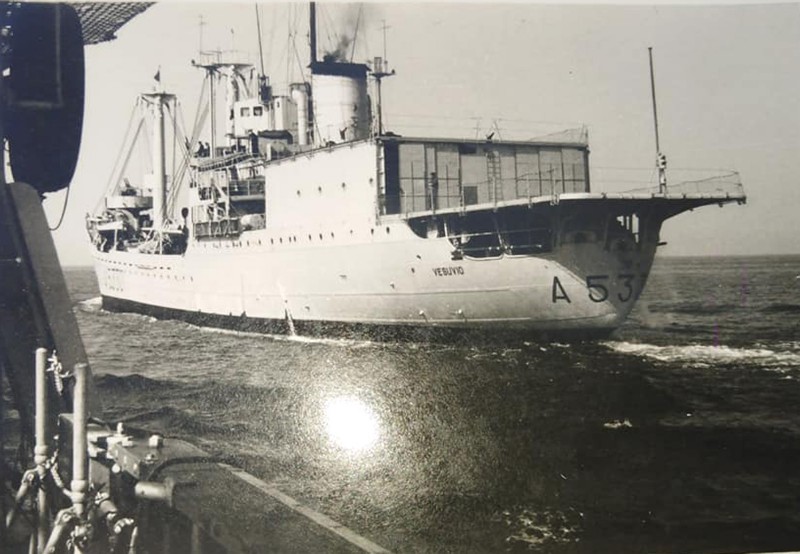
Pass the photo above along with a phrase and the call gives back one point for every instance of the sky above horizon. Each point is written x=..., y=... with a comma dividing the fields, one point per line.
x=727, y=78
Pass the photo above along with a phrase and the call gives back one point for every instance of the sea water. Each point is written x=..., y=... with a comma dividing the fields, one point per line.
x=681, y=433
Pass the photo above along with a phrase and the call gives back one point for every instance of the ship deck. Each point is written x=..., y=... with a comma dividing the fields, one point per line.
x=674, y=201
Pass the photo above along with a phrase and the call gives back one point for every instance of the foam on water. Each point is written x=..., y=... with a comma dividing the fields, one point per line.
x=535, y=529
x=782, y=355
x=348, y=343
x=94, y=304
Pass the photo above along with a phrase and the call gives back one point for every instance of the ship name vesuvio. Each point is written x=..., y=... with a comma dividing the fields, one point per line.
x=448, y=271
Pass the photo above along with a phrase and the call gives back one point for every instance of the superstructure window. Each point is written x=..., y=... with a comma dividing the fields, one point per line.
x=257, y=111
x=245, y=112
x=435, y=176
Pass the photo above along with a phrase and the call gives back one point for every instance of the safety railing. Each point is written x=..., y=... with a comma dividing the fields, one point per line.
x=226, y=227
x=491, y=128
x=679, y=181
x=246, y=187
x=227, y=160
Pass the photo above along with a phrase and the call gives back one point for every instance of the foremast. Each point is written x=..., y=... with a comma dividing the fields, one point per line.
x=157, y=100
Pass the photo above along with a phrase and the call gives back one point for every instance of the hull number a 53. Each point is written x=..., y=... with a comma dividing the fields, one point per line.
x=598, y=288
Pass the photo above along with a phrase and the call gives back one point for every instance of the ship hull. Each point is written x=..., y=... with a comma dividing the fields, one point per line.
x=392, y=285
x=356, y=331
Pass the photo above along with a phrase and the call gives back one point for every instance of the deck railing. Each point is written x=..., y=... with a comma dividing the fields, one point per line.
x=728, y=183
x=229, y=226
x=450, y=194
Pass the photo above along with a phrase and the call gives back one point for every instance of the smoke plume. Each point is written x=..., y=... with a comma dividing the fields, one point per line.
x=350, y=24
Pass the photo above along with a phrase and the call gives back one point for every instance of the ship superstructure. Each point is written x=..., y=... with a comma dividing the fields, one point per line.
x=308, y=213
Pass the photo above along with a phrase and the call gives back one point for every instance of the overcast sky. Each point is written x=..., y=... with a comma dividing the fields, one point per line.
x=727, y=77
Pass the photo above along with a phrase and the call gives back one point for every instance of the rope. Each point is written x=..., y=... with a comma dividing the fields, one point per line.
x=119, y=155
x=63, y=209
x=271, y=42
x=178, y=177
x=299, y=63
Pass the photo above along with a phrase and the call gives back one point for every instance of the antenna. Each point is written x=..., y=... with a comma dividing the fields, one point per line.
x=380, y=69
x=661, y=159
x=200, y=25
x=383, y=28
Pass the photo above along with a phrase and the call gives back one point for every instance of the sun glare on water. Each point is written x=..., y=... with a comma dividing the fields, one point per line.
x=351, y=424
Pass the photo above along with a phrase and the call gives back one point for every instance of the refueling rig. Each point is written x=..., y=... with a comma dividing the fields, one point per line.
x=81, y=484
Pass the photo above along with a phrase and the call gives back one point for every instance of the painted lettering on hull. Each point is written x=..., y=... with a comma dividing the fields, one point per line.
x=628, y=288
x=558, y=292
x=448, y=271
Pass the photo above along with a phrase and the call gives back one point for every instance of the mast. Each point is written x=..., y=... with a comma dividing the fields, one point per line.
x=379, y=71
x=213, y=105
x=157, y=100
x=661, y=159
x=312, y=30
x=312, y=37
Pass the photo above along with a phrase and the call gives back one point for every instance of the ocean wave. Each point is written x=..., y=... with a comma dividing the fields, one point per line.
x=133, y=381
x=704, y=355
x=137, y=317
x=331, y=341
x=781, y=308
x=91, y=304
x=534, y=529
x=693, y=308
x=618, y=424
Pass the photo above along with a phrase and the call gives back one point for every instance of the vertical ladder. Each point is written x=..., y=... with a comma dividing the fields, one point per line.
x=495, y=176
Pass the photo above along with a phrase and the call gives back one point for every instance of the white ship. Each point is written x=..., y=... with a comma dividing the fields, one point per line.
x=310, y=215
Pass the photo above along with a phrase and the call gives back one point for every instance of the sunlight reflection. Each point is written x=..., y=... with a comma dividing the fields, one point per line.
x=351, y=424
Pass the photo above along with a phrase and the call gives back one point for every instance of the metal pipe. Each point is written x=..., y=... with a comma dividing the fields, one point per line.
x=40, y=451
x=41, y=405
x=150, y=490
x=80, y=484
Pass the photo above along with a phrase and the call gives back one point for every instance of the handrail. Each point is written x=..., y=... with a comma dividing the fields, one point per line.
x=216, y=163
